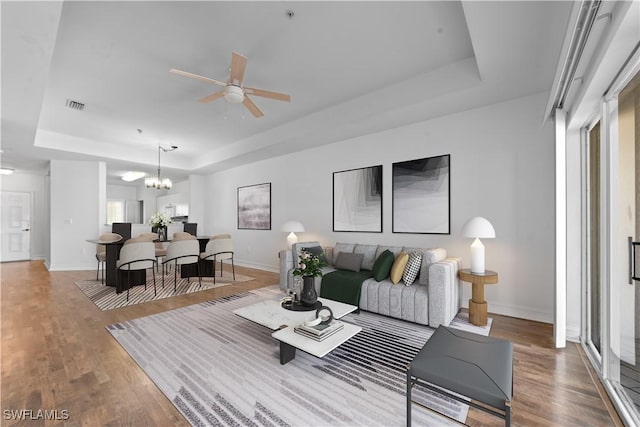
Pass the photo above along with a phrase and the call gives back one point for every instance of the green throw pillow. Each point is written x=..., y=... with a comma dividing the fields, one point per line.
x=382, y=266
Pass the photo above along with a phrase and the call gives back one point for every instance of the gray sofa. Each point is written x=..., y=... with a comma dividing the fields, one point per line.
x=433, y=299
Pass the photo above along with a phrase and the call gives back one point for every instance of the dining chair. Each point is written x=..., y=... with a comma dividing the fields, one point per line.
x=122, y=228
x=101, y=251
x=161, y=251
x=219, y=247
x=181, y=252
x=138, y=255
x=191, y=228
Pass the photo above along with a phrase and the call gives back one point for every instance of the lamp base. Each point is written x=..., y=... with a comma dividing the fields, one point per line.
x=477, y=257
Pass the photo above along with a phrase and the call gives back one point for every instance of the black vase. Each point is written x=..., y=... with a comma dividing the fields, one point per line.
x=308, y=296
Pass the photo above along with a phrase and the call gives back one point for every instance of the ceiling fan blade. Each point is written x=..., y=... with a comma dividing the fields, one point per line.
x=212, y=97
x=268, y=94
x=238, y=64
x=252, y=107
x=195, y=76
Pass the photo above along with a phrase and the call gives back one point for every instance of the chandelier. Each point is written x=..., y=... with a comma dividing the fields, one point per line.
x=156, y=181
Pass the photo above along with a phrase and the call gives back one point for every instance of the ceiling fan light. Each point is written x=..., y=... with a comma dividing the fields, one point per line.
x=233, y=94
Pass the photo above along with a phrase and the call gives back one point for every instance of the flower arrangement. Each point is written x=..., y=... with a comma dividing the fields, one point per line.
x=309, y=265
x=160, y=220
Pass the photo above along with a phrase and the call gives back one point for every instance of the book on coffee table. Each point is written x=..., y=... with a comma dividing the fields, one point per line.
x=319, y=332
x=317, y=337
x=322, y=328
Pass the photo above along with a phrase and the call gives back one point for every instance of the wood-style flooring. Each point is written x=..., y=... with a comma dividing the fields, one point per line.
x=57, y=355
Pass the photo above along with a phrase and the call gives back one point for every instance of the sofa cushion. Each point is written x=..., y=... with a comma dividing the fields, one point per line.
x=412, y=268
x=395, y=250
x=398, y=267
x=299, y=246
x=317, y=251
x=368, y=255
x=382, y=266
x=348, y=261
x=342, y=247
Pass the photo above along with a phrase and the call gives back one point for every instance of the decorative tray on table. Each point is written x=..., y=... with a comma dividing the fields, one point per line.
x=288, y=304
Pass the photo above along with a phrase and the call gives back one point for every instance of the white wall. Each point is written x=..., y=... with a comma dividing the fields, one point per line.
x=502, y=168
x=121, y=192
x=37, y=186
x=75, y=213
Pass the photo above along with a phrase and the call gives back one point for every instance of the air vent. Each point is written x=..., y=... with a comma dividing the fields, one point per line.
x=74, y=104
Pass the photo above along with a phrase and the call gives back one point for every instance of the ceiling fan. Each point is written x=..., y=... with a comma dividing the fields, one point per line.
x=234, y=91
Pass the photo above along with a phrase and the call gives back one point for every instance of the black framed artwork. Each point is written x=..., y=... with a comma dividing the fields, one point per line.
x=254, y=207
x=421, y=201
x=357, y=200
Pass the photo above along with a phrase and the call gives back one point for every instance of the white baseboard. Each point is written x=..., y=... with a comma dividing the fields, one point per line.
x=516, y=311
x=70, y=267
x=257, y=266
x=573, y=334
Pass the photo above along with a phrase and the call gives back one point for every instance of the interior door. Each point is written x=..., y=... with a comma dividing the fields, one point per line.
x=15, y=222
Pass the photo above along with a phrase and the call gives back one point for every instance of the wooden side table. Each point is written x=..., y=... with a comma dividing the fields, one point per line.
x=477, y=304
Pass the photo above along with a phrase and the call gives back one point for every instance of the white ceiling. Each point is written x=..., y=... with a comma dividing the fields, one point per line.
x=350, y=68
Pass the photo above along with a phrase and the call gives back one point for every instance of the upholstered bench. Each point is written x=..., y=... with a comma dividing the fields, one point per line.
x=472, y=365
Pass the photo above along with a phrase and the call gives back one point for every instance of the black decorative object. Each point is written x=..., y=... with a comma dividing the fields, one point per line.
x=328, y=319
x=308, y=296
x=297, y=306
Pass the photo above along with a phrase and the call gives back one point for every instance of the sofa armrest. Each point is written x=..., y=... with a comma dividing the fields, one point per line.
x=286, y=265
x=444, y=291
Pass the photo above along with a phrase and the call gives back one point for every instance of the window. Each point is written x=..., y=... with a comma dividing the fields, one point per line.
x=115, y=211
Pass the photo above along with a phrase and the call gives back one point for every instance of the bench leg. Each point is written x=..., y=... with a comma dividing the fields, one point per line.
x=408, y=397
x=287, y=353
x=507, y=415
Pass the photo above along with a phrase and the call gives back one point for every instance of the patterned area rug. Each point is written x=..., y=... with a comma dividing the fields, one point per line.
x=106, y=298
x=219, y=369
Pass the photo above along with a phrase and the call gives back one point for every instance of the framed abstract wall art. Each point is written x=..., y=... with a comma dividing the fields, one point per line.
x=254, y=207
x=357, y=200
x=421, y=196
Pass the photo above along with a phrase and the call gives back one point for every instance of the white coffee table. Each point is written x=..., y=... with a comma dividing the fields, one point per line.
x=270, y=314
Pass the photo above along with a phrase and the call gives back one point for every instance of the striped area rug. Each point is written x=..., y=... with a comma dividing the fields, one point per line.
x=219, y=369
x=106, y=298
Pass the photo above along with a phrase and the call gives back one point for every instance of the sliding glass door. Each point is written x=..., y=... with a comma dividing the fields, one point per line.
x=611, y=160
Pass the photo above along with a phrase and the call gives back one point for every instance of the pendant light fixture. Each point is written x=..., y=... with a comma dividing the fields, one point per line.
x=156, y=181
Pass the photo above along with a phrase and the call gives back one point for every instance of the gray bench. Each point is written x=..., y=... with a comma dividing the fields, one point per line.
x=472, y=365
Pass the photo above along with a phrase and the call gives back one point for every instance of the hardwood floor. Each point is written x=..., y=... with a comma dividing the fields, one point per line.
x=57, y=355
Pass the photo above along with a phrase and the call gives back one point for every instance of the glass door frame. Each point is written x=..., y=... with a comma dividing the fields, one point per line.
x=591, y=350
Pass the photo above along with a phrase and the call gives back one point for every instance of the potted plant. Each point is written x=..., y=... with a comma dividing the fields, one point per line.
x=309, y=267
x=159, y=222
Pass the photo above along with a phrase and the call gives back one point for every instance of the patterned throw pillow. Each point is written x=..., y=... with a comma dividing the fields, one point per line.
x=412, y=268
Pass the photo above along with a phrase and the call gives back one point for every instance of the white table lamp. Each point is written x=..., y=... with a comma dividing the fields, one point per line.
x=292, y=227
x=478, y=228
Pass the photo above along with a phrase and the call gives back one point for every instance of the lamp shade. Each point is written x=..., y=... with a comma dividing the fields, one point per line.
x=292, y=227
x=478, y=227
